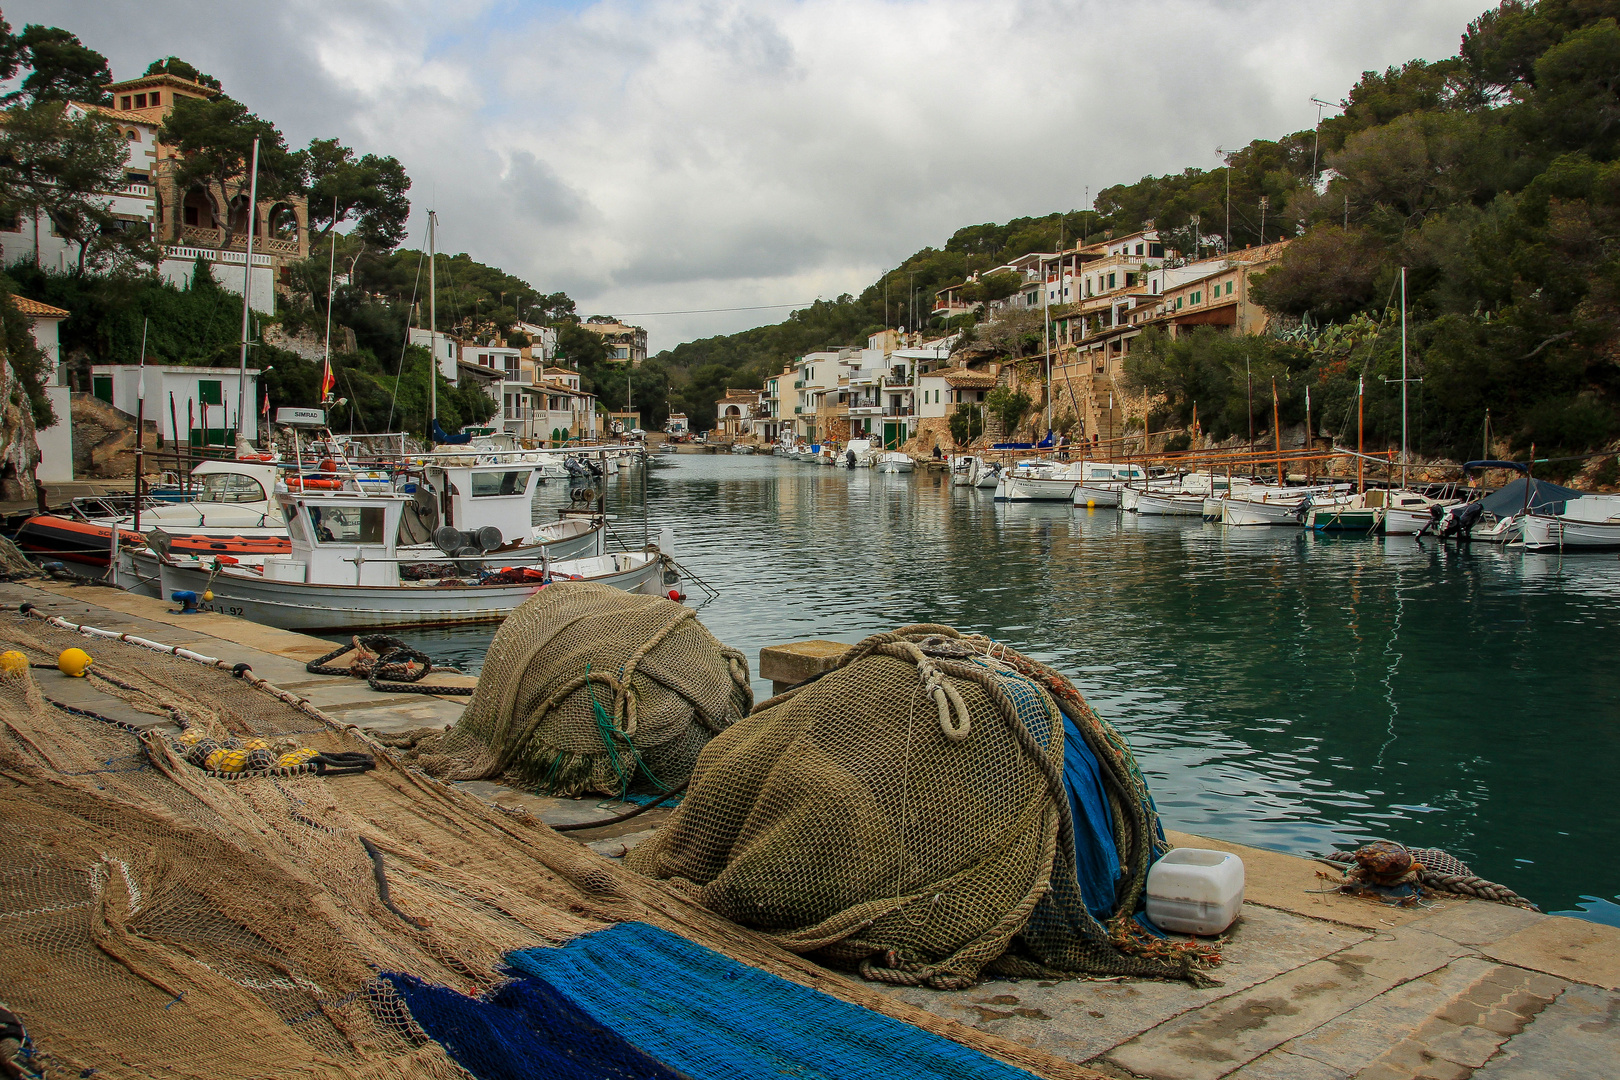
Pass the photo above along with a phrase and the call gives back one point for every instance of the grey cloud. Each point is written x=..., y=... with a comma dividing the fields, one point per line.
x=717, y=153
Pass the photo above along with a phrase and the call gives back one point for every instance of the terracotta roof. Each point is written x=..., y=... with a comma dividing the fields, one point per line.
x=554, y=370
x=37, y=310
x=750, y=396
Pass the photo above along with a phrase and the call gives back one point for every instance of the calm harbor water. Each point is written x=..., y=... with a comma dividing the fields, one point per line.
x=1281, y=689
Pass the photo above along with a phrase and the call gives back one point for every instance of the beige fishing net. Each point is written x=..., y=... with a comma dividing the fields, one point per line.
x=587, y=688
x=906, y=814
x=159, y=920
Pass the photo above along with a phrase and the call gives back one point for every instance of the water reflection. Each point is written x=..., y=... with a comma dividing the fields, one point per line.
x=1282, y=689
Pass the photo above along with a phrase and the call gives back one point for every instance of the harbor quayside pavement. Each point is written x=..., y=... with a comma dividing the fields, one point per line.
x=1315, y=986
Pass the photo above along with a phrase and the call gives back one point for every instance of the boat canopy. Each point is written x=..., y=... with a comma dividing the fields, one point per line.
x=1545, y=498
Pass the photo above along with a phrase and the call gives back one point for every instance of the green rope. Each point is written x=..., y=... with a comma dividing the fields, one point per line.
x=610, y=732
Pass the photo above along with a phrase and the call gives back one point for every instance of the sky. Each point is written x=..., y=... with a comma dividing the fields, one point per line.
x=689, y=155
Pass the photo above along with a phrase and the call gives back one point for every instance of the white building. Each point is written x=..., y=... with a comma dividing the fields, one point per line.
x=202, y=401
x=56, y=441
x=445, y=348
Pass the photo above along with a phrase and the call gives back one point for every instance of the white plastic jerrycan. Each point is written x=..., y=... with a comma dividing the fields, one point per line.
x=1195, y=891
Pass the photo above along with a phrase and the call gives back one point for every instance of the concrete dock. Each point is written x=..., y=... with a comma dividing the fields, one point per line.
x=1316, y=986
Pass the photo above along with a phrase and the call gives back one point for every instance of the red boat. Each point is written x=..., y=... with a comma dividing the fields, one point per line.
x=90, y=543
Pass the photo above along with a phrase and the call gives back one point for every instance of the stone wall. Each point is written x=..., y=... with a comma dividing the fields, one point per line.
x=306, y=343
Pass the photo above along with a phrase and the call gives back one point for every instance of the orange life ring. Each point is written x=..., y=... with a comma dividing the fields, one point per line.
x=313, y=483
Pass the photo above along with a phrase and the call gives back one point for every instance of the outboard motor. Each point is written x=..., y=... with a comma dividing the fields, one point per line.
x=849, y=459
x=1461, y=520
x=576, y=468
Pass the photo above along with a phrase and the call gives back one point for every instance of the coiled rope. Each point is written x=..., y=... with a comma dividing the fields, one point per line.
x=1445, y=873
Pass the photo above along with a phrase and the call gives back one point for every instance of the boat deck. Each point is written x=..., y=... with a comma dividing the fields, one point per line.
x=1316, y=986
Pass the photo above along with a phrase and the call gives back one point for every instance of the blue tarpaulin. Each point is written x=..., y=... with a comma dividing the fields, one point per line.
x=1096, y=856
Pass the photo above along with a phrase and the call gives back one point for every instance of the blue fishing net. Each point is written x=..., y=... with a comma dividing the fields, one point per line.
x=524, y=1030
x=709, y=1016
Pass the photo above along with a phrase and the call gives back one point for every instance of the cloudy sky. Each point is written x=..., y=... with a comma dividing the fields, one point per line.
x=672, y=155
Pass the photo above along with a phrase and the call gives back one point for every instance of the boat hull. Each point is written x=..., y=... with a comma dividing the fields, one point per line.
x=334, y=608
x=1360, y=519
x=1091, y=495
x=1163, y=505
x=1032, y=489
x=1544, y=532
x=1245, y=512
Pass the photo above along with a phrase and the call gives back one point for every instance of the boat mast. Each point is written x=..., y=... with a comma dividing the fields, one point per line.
x=247, y=288
x=433, y=327
x=1361, y=447
x=331, y=274
x=1403, y=378
x=1276, y=427
x=140, y=435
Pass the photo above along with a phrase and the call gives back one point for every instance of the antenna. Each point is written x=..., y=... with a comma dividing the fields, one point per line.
x=1316, y=141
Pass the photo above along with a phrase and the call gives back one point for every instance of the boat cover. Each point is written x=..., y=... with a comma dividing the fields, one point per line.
x=1545, y=497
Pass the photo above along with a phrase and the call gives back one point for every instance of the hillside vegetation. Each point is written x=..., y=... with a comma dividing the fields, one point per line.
x=1491, y=175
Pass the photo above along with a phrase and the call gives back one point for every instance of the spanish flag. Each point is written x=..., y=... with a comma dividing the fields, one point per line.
x=328, y=380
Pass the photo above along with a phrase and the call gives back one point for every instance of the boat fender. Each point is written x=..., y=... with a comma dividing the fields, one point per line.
x=187, y=599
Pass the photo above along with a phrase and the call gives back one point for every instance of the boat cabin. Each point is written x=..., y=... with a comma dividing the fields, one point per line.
x=476, y=496
x=340, y=539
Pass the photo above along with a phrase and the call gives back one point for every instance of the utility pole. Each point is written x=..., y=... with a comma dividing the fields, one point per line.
x=1265, y=204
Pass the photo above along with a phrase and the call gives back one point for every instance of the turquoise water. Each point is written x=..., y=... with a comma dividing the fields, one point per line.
x=1282, y=689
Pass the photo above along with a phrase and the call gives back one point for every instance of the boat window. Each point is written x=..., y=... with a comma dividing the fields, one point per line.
x=230, y=488
x=295, y=528
x=503, y=483
x=347, y=524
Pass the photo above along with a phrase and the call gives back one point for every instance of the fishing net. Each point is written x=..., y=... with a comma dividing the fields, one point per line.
x=587, y=688
x=157, y=918
x=907, y=814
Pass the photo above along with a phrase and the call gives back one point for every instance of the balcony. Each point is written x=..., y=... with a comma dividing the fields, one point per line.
x=864, y=378
x=891, y=382
x=897, y=410
x=865, y=408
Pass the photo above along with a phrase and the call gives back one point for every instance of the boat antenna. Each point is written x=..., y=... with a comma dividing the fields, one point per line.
x=433, y=327
x=247, y=285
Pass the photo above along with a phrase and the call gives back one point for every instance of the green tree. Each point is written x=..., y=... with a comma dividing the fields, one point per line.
x=173, y=65
x=369, y=190
x=59, y=160
x=61, y=67
x=214, y=138
x=1009, y=406
x=967, y=423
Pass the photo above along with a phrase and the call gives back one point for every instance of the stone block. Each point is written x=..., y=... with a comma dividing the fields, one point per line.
x=1573, y=949
x=1577, y=1036
x=791, y=664
x=1209, y=1042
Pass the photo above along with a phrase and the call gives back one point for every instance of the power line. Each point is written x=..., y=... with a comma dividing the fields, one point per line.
x=705, y=311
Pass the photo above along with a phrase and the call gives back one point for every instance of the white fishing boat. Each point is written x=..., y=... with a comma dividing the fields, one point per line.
x=345, y=572
x=741, y=448
x=1102, y=483
x=1588, y=523
x=1407, y=513
x=1276, y=506
x=987, y=473
x=893, y=461
x=962, y=467
x=1170, y=503
x=1036, y=480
